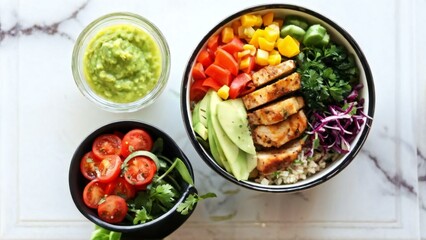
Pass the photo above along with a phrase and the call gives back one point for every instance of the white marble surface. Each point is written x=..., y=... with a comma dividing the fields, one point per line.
x=43, y=117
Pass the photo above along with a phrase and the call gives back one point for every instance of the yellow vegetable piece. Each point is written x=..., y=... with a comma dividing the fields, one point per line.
x=227, y=34
x=274, y=58
x=259, y=21
x=235, y=26
x=288, y=46
x=245, y=62
x=223, y=92
x=248, y=20
x=268, y=18
x=262, y=57
x=272, y=33
x=250, y=47
x=265, y=44
x=243, y=53
x=278, y=22
x=255, y=38
x=248, y=31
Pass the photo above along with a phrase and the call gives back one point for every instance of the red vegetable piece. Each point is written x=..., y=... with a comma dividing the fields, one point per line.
x=213, y=43
x=252, y=64
x=113, y=209
x=235, y=45
x=227, y=61
x=197, y=90
x=198, y=71
x=238, y=85
x=221, y=75
x=205, y=58
x=211, y=83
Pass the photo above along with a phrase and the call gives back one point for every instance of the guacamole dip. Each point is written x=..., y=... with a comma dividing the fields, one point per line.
x=122, y=63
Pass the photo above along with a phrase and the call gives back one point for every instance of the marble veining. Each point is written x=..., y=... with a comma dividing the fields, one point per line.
x=51, y=29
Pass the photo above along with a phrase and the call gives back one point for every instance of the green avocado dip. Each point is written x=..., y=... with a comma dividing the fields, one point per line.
x=122, y=63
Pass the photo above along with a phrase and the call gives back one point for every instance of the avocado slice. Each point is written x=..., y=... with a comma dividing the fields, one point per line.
x=237, y=159
x=201, y=130
x=232, y=116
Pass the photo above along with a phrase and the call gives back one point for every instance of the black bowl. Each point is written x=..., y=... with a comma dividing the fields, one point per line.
x=156, y=229
x=339, y=35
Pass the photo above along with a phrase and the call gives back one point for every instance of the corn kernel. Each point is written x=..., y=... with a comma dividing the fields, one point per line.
x=243, y=54
x=255, y=38
x=223, y=92
x=251, y=48
x=259, y=21
x=248, y=31
x=274, y=58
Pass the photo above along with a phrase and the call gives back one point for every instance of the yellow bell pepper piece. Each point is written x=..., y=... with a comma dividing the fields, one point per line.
x=248, y=20
x=266, y=45
x=250, y=47
x=288, y=46
x=259, y=21
x=272, y=33
x=262, y=57
x=223, y=92
x=255, y=38
x=274, y=58
x=268, y=18
x=227, y=34
x=248, y=32
x=245, y=62
x=243, y=53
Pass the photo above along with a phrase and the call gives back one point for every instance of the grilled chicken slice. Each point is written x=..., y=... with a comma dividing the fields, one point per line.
x=280, y=133
x=273, y=91
x=270, y=73
x=276, y=112
x=269, y=161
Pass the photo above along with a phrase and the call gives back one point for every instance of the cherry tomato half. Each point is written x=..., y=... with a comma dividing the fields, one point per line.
x=140, y=171
x=93, y=193
x=113, y=209
x=121, y=188
x=89, y=165
x=107, y=144
x=109, y=168
x=134, y=140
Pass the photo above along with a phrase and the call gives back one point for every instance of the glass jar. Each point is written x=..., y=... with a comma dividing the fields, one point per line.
x=135, y=24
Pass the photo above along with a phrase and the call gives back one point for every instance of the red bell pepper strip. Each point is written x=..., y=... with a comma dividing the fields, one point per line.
x=241, y=85
x=235, y=45
x=221, y=75
x=198, y=71
x=197, y=90
x=211, y=83
x=251, y=65
x=213, y=43
x=204, y=58
x=227, y=61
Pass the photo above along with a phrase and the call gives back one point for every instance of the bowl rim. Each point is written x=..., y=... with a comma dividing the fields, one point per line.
x=128, y=228
x=281, y=188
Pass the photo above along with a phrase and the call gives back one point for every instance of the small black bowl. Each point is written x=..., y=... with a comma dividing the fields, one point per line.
x=156, y=229
x=339, y=35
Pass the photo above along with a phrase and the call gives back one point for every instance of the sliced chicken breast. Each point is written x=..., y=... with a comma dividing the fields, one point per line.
x=273, y=91
x=280, y=133
x=270, y=73
x=269, y=161
x=276, y=112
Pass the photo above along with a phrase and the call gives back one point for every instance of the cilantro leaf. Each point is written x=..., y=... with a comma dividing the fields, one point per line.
x=164, y=194
x=141, y=216
x=185, y=207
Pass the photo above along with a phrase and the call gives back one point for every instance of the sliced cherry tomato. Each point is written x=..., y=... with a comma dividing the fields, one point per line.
x=235, y=45
x=134, y=140
x=118, y=134
x=198, y=71
x=109, y=168
x=239, y=84
x=93, y=193
x=227, y=61
x=204, y=58
x=197, y=90
x=121, y=188
x=219, y=74
x=211, y=83
x=89, y=165
x=140, y=171
x=113, y=209
x=107, y=144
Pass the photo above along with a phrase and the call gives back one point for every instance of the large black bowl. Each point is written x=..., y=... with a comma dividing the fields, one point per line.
x=156, y=229
x=339, y=35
